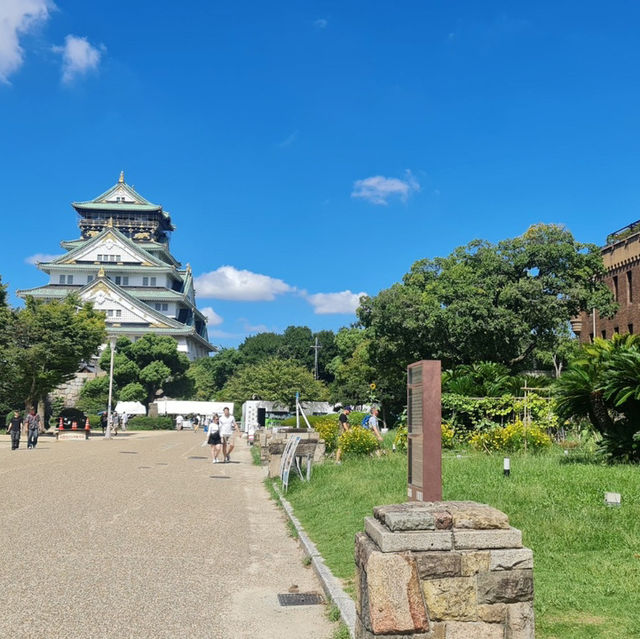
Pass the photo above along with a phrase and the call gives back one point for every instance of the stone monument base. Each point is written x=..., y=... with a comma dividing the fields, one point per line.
x=443, y=570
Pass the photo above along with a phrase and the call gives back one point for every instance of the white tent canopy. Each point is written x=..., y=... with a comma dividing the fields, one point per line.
x=130, y=408
x=177, y=407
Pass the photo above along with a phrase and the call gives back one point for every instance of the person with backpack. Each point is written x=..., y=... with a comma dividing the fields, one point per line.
x=33, y=428
x=370, y=422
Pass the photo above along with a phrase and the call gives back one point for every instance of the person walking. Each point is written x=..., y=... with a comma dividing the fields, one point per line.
x=196, y=423
x=372, y=424
x=343, y=419
x=213, y=439
x=123, y=421
x=14, y=427
x=179, y=422
x=227, y=427
x=33, y=428
x=104, y=420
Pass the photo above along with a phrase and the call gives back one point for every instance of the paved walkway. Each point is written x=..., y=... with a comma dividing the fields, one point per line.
x=142, y=537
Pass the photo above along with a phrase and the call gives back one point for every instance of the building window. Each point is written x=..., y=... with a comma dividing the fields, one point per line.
x=99, y=257
x=89, y=278
x=118, y=313
x=604, y=334
x=615, y=288
x=109, y=312
x=630, y=329
x=145, y=281
x=629, y=287
x=62, y=279
x=162, y=307
x=69, y=279
x=125, y=280
x=153, y=281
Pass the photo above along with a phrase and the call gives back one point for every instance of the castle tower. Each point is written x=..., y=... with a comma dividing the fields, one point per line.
x=122, y=263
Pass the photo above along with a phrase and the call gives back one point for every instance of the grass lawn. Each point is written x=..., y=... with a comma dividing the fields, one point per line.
x=586, y=555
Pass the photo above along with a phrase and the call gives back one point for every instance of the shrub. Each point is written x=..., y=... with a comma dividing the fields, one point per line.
x=511, y=438
x=329, y=431
x=448, y=435
x=150, y=423
x=400, y=440
x=357, y=441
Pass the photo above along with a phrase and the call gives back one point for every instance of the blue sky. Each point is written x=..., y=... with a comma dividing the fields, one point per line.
x=316, y=148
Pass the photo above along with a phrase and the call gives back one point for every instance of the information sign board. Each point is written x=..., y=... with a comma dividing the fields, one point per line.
x=424, y=438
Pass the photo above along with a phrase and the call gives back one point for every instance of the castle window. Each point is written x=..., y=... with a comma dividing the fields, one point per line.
x=145, y=281
x=118, y=313
x=89, y=278
x=615, y=288
x=62, y=279
x=629, y=287
x=69, y=279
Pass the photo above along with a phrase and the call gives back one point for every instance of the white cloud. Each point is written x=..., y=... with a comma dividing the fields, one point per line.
x=379, y=189
x=79, y=56
x=328, y=303
x=229, y=283
x=18, y=17
x=40, y=257
x=321, y=23
x=213, y=319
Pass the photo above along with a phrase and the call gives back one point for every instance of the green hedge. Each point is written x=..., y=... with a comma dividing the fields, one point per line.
x=355, y=418
x=150, y=423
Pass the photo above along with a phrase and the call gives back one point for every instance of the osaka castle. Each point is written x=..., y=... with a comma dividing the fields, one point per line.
x=122, y=264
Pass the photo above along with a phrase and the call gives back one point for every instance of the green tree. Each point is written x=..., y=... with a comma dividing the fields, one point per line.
x=210, y=374
x=296, y=344
x=260, y=347
x=152, y=362
x=328, y=350
x=133, y=392
x=49, y=340
x=94, y=395
x=275, y=380
x=602, y=384
x=484, y=302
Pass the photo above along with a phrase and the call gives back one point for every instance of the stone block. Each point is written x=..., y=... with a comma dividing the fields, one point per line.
x=411, y=540
x=435, y=565
x=471, y=563
x=414, y=519
x=474, y=516
x=510, y=586
x=363, y=548
x=360, y=632
x=395, y=597
x=487, y=539
x=492, y=613
x=512, y=559
x=274, y=465
x=451, y=598
x=474, y=630
x=520, y=621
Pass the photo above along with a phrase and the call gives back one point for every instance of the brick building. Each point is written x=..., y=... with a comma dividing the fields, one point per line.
x=621, y=257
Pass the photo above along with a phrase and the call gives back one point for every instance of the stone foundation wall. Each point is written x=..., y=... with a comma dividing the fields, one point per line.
x=443, y=570
x=70, y=391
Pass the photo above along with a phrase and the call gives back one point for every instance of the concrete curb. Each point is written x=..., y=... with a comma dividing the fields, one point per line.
x=331, y=586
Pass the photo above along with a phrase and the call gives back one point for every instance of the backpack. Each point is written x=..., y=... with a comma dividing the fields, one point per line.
x=365, y=421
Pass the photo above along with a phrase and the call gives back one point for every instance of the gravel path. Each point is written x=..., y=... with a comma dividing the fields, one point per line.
x=142, y=536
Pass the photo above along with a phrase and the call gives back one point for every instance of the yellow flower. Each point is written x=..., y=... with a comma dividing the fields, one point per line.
x=372, y=386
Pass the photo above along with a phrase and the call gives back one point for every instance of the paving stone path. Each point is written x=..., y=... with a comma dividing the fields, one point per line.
x=141, y=537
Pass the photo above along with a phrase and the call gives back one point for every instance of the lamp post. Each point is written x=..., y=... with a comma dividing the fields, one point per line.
x=112, y=345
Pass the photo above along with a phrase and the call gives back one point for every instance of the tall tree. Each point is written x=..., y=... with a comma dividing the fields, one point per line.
x=296, y=344
x=275, y=380
x=48, y=343
x=210, y=374
x=260, y=347
x=489, y=302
